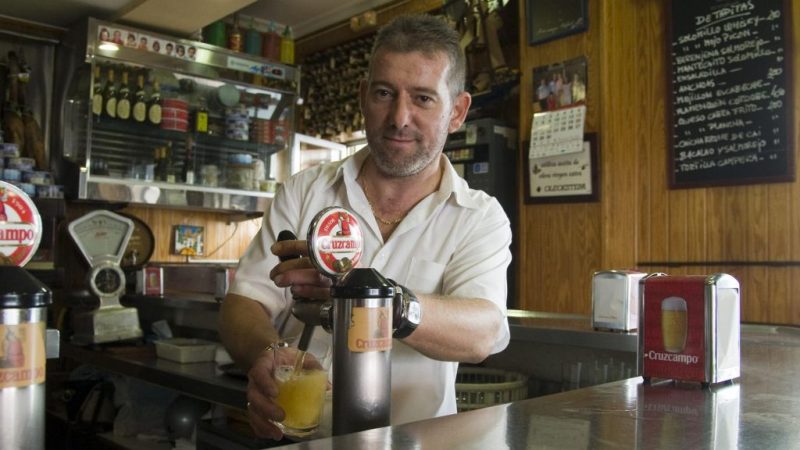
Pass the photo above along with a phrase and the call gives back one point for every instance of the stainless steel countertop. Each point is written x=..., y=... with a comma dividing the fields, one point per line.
x=759, y=410
x=567, y=329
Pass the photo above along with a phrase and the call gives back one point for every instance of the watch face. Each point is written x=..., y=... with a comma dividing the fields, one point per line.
x=107, y=281
x=414, y=312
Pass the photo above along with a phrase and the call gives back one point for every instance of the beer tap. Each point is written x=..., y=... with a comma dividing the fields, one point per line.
x=359, y=315
x=312, y=313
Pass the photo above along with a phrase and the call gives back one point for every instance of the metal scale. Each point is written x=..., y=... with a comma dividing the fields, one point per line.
x=102, y=237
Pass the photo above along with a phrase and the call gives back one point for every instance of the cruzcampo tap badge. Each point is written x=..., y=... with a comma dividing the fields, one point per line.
x=20, y=226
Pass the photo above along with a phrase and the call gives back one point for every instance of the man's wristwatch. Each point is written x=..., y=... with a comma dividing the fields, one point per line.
x=407, y=312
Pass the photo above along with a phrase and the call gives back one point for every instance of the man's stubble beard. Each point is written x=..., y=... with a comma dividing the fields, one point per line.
x=388, y=163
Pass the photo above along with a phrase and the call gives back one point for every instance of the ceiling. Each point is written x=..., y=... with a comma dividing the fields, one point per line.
x=304, y=16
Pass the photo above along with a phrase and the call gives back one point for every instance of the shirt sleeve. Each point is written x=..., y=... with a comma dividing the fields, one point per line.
x=252, y=274
x=478, y=268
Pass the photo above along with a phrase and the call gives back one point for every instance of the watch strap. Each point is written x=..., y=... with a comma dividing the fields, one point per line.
x=409, y=313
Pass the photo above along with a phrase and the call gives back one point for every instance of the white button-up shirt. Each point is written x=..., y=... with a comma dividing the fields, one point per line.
x=453, y=242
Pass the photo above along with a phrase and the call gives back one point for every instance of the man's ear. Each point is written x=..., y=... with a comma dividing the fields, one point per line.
x=460, y=108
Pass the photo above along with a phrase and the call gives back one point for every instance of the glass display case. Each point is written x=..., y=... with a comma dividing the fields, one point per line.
x=148, y=118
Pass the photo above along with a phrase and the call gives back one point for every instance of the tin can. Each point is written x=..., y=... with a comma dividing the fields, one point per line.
x=689, y=328
x=615, y=299
x=150, y=281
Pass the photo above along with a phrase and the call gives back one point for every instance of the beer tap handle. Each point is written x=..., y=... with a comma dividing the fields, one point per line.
x=308, y=330
x=286, y=235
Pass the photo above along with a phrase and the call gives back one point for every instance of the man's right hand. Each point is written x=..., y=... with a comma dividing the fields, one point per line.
x=298, y=273
x=262, y=390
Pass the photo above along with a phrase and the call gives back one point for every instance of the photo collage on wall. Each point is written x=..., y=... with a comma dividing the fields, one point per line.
x=146, y=42
x=559, y=85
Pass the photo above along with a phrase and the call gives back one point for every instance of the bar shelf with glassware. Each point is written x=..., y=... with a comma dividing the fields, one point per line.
x=210, y=130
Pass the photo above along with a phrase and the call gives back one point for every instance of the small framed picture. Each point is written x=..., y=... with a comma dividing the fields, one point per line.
x=568, y=178
x=560, y=85
x=552, y=19
x=189, y=240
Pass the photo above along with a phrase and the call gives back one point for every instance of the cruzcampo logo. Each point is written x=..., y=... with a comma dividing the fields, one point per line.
x=20, y=226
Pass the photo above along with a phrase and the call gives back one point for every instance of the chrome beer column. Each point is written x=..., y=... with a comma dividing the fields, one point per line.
x=361, y=322
x=23, y=316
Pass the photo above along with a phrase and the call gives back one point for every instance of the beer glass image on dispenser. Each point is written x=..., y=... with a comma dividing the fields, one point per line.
x=302, y=383
x=673, y=324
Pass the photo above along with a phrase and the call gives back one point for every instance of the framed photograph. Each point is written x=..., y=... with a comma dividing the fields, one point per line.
x=565, y=178
x=189, y=240
x=559, y=85
x=552, y=19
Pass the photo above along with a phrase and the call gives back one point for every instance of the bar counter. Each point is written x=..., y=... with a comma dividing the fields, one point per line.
x=758, y=410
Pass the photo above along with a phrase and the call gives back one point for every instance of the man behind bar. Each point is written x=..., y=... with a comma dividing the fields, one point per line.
x=423, y=227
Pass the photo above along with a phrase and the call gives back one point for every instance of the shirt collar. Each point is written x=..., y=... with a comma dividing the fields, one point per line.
x=452, y=184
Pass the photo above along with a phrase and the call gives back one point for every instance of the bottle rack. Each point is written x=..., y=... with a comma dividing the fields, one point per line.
x=331, y=81
x=226, y=115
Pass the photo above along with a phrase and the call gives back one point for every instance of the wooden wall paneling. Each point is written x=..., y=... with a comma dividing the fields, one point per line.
x=778, y=304
x=621, y=100
x=651, y=135
x=779, y=222
x=696, y=226
x=555, y=264
x=653, y=29
x=641, y=219
x=529, y=281
x=220, y=233
x=736, y=223
x=792, y=281
x=757, y=306
x=715, y=224
x=757, y=231
x=559, y=243
x=676, y=237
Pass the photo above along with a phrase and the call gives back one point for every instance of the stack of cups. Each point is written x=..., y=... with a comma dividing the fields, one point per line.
x=237, y=123
x=175, y=115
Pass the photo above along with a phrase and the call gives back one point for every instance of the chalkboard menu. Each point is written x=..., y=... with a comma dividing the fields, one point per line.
x=731, y=93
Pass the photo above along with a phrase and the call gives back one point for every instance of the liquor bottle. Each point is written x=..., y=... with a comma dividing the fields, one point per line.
x=140, y=101
x=169, y=175
x=162, y=162
x=271, y=47
x=287, y=46
x=235, y=38
x=124, y=98
x=201, y=119
x=110, y=95
x=252, y=40
x=154, y=108
x=188, y=161
x=97, y=93
x=157, y=162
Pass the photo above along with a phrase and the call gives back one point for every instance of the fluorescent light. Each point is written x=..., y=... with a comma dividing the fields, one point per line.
x=108, y=46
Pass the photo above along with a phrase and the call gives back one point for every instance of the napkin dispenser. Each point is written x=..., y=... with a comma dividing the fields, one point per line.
x=689, y=328
x=615, y=299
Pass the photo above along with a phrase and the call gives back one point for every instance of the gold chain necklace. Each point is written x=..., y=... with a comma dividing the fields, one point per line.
x=375, y=213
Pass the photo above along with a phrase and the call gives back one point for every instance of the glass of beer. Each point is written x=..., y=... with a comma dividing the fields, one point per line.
x=673, y=324
x=302, y=383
